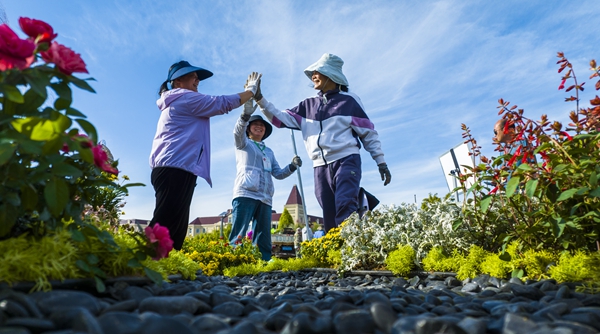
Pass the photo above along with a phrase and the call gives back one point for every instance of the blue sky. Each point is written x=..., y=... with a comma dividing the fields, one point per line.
x=421, y=69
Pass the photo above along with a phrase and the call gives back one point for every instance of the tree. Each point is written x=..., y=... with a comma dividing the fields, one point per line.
x=285, y=220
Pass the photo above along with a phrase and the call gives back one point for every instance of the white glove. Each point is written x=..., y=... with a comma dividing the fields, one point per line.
x=249, y=109
x=252, y=82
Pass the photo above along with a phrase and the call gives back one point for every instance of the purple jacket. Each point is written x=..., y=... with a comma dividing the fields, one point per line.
x=182, y=137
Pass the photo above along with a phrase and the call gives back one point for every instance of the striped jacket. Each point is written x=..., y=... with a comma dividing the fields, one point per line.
x=333, y=126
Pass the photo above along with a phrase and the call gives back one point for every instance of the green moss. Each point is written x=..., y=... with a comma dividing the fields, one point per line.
x=39, y=260
x=436, y=260
x=575, y=267
x=401, y=261
x=494, y=266
x=471, y=265
x=176, y=263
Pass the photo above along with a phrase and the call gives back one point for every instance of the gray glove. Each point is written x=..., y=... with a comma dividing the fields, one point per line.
x=252, y=82
x=258, y=95
x=296, y=162
x=385, y=173
x=249, y=109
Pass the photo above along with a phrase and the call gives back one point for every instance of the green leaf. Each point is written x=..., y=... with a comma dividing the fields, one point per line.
x=29, y=197
x=77, y=235
x=82, y=84
x=559, y=168
x=92, y=259
x=558, y=226
x=595, y=192
x=524, y=167
x=100, y=287
x=41, y=129
x=140, y=256
x=74, y=112
x=485, y=203
x=64, y=169
x=6, y=152
x=593, y=180
x=61, y=104
x=63, y=91
x=12, y=93
x=518, y=273
x=153, y=275
x=133, y=185
x=134, y=263
x=512, y=185
x=505, y=256
x=31, y=104
x=82, y=265
x=56, y=195
x=530, y=187
x=566, y=195
x=89, y=129
x=582, y=191
x=98, y=272
x=38, y=84
x=8, y=217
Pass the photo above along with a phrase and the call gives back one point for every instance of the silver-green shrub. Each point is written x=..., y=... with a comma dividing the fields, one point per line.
x=369, y=240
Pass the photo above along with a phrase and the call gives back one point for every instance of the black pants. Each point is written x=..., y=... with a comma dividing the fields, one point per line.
x=173, y=189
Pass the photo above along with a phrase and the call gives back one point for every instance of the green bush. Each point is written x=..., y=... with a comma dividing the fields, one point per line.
x=401, y=261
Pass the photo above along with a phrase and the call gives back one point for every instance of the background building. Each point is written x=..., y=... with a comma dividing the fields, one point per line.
x=209, y=224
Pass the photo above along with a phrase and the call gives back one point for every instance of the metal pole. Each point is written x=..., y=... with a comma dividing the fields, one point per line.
x=221, y=227
x=308, y=235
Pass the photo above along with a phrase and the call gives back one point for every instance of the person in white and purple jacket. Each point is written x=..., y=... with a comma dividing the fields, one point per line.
x=334, y=126
x=181, y=146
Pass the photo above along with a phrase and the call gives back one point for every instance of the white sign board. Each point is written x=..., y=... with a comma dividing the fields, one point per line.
x=454, y=161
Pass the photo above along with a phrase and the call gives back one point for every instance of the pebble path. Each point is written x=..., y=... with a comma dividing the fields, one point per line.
x=307, y=302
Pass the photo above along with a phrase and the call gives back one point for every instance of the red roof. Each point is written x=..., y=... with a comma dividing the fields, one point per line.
x=294, y=197
x=206, y=220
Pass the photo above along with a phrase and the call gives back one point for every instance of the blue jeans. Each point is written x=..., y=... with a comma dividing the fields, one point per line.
x=246, y=210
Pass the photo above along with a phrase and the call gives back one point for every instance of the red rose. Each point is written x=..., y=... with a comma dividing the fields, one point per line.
x=40, y=31
x=159, y=235
x=67, y=60
x=14, y=52
x=101, y=160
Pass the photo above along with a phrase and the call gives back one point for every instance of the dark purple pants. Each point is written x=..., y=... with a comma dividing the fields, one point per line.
x=174, y=189
x=336, y=188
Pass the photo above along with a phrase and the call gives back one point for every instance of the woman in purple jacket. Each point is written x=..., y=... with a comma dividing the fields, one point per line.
x=181, y=146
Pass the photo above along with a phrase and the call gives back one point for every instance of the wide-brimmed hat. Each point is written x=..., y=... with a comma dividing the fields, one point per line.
x=268, y=127
x=329, y=65
x=182, y=68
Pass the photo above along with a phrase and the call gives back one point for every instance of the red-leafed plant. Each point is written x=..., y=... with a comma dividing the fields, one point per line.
x=544, y=191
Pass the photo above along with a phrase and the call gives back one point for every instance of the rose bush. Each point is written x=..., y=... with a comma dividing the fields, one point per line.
x=51, y=165
x=14, y=52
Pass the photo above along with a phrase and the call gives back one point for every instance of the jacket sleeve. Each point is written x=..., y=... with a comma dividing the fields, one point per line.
x=278, y=172
x=239, y=134
x=279, y=118
x=370, y=139
x=201, y=105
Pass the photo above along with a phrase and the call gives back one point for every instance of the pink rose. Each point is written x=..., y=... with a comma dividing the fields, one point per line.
x=159, y=235
x=67, y=60
x=39, y=31
x=101, y=160
x=14, y=52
